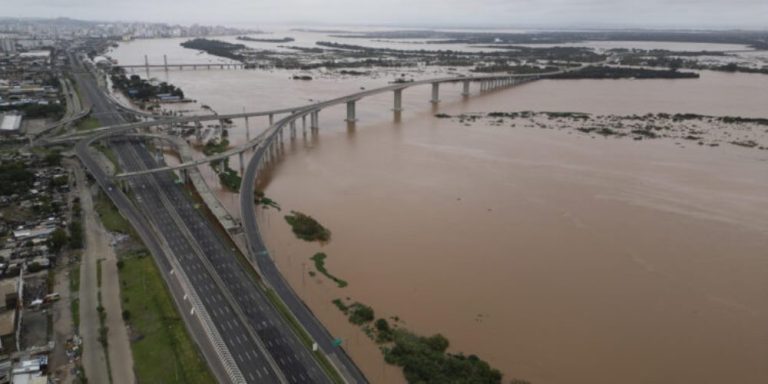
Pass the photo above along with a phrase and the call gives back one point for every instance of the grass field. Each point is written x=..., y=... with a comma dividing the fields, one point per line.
x=111, y=218
x=162, y=350
x=87, y=124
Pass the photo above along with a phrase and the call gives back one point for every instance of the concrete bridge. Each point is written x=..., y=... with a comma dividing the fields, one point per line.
x=181, y=66
x=270, y=138
x=265, y=146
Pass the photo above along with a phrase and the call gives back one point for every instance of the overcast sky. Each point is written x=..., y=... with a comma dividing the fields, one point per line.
x=747, y=14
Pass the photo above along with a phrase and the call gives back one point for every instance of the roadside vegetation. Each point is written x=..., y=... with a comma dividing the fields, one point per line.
x=140, y=89
x=162, y=350
x=74, y=288
x=109, y=215
x=34, y=111
x=307, y=228
x=87, y=124
x=228, y=177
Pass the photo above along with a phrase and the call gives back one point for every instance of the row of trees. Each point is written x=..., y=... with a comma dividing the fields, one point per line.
x=139, y=89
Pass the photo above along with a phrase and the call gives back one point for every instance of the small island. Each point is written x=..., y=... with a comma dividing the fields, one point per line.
x=606, y=72
x=216, y=48
x=307, y=228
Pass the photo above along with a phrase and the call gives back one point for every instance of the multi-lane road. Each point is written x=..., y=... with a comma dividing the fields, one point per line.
x=241, y=334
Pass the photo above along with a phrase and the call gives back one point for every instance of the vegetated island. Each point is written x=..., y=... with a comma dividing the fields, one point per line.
x=606, y=72
x=319, y=259
x=216, y=48
x=424, y=360
x=283, y=40
x=703, y=130
x=265, y=202
x=307, y=228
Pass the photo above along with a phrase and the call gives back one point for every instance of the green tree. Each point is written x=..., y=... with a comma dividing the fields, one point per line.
x=58, y=240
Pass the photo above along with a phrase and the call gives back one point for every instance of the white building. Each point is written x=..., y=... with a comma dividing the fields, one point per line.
x=10, y=124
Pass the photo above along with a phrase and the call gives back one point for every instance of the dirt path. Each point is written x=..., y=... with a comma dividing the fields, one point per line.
x=98, y=247
x=63, y=327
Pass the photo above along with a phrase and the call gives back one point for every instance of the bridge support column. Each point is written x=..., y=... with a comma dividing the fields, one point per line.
x=184, y=175
x=304, y=123
x=293, y=129
x=314, y=120
x=398, y=100
x=435, y=93
x=351, y=112
x=271, y=119
x=165, y=62
x=146, y=65
x=247, y=130
x=482, y=85
x=242, y=164
x=465, y=90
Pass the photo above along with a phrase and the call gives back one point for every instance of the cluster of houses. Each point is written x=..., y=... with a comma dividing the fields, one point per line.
x=27, y=86
x=29, y=219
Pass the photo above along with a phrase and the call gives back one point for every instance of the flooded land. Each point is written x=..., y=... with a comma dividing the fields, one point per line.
x=516, y=225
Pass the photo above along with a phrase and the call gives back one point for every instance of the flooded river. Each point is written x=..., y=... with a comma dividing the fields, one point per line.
x=556, y=257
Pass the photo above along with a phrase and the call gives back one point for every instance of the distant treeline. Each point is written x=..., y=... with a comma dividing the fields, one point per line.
x=606, y=72
x=517, y=69
x=283, y=40
x=754, y=39
x=33, y=111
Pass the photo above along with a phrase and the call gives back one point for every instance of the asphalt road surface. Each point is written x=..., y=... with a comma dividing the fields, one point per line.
x=257, y=338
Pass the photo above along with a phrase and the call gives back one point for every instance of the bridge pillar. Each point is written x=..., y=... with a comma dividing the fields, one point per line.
x=482, y=85
x=398, y=100
x=146, y=65
x=304, y=122
x=314, y=120
x=247, y=130
x=271, y=119
x=465, y=90
x=165, y=62
x=435, y=93
x=351, y=112
x=242, y=164
x=293, y=129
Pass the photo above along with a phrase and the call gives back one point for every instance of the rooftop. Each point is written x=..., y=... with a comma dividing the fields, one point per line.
x=10, y=122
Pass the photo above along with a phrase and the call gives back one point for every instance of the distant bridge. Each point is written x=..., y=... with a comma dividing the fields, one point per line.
x=181, y=66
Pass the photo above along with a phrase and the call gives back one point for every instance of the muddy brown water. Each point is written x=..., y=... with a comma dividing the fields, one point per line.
x=556, y=257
